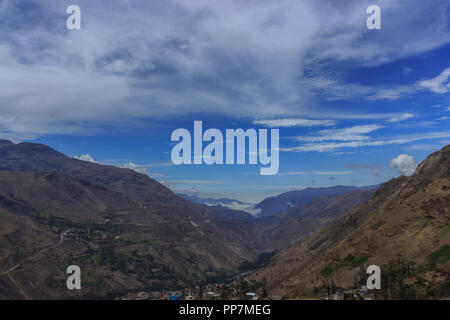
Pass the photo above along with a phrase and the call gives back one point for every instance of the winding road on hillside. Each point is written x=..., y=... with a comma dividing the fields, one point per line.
x=61, y=240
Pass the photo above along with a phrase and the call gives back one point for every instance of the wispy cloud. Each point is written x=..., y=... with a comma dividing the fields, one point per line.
x=331, y=146
x=321, y=173
x=407, y=70
x=374, y=169
x=292, y=173
x=189, y=181
x=336, y=89
x=440, y=84
x=328, y=173
x=402, y=117
x=166, y=59
x=295, y=122
x=344, y=134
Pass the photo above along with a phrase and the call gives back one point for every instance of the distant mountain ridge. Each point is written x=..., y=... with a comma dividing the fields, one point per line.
x=33, y=157
x=225, y=202
x=296, y=198
x=287, y=226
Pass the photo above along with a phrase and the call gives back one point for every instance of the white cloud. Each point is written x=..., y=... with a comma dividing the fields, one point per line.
x=440, y=84
x=235, y=206
x=402, y=117
x=404, y=164
x=189, y=181
x=331, y=146
x=165, y=59
x=292, y=173
x=407, y=70
x=326, y=173
x=295, y=122
x=429, y=147
x=135, y=167
x=393, y=92
x=338, y=90
x=343, y=134
x=252, y=210
x=86, y=157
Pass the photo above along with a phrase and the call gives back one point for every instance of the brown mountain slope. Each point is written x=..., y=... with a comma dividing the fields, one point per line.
x=34, y=157
x=405, y=229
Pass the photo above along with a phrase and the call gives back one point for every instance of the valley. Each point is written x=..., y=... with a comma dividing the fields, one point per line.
x=129, y=235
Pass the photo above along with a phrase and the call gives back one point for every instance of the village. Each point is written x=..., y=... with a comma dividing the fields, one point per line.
x=209, y=292
x=236, y=291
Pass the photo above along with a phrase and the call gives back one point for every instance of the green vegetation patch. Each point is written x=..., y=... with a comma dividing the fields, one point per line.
x=126, y=241
x=361, y=259
x=154, y=243
x=97, y=259
x=328, y=270
x=378, y=224
x=352, y=261
x=43, y=214
x=440, y=256
x=349, y=261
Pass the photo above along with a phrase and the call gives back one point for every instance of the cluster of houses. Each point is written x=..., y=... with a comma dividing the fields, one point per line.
x=229, y=292
x=212, y=291
x=362, y=293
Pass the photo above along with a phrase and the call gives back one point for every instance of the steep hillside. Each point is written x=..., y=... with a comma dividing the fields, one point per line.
x=405, y=229
x=34, y=157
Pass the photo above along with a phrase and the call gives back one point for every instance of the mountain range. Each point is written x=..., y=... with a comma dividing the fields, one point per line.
x=130, y=233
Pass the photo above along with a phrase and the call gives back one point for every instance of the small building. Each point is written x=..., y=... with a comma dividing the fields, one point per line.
x=175, y=296
x=251, y=296
x=337, y=296
x=363, y=291
x=142, y=296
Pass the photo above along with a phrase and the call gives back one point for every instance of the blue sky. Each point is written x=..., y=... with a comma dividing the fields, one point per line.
x=347, y=100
